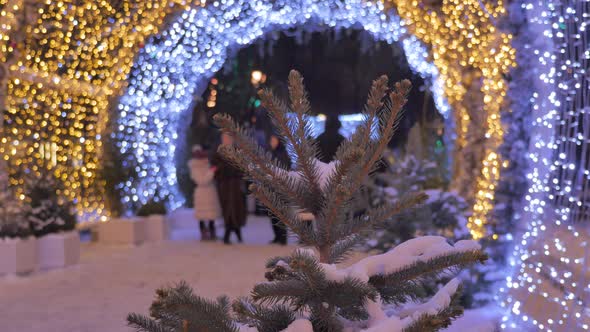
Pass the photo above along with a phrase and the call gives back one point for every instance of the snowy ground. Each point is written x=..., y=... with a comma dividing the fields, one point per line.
x=111, y=281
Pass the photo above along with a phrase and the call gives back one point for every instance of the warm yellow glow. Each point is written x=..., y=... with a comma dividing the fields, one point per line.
x=8, y=23
x=256, y=76
x=466, y=46
x=59, y=83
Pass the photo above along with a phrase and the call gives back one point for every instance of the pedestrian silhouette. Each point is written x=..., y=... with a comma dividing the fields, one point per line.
x=330, y=139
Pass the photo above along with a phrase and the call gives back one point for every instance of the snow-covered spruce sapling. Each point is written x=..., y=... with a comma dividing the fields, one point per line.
x=13, y=223
x=410, y=174
x=307, y=291
x=444, y=213
x=48, y=213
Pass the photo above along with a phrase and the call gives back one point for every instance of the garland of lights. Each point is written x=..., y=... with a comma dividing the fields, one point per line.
x=463, y=38
x=69, y=57
x=8, y=10
x=550, y=261
x=179, y=63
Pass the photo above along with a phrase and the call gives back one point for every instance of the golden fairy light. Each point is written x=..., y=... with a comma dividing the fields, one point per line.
x=73, y=56
x=462, y=37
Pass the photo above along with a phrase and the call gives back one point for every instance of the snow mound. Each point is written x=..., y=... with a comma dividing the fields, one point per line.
x=396, y=323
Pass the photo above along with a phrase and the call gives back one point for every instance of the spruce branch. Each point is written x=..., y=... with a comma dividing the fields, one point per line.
x=145, y=324
x=389, y=119
x=303, y=133
x=279, y=273
x=295, y=292
x=402, y=292
x=307, y=268
x=440, y=320
x=398, y=286
x=351, y=295
x=273, y=261
x=264, y=319
x=340, y=250
x=299, y=104
x=324, y=319
x=224, y=303
x=387, y=211
x=362, y=135
x=375, y=218
x=337, y=192
x=258, y=163
x=284, y=212
x=305, y=150
x=177, y=307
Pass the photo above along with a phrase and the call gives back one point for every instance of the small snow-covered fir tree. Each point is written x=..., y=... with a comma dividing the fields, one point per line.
x=47, y=213
x=307, y=291
x=13, y=223
x=410, y=174
x=444, y=213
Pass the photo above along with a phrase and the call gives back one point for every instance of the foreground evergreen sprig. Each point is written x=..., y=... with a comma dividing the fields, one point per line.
x=306, y=291
x=178, y=309
x=440, y=320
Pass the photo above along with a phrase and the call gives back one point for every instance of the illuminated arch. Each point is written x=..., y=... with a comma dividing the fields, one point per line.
x=454, y=40
x=170, y=71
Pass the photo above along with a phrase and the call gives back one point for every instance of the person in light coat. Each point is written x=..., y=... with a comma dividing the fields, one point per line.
x=205, y=197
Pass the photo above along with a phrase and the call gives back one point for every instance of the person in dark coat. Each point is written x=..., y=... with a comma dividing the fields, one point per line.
x=279, y=153
x=231, y=191
x=330, y=139
x=205, y=197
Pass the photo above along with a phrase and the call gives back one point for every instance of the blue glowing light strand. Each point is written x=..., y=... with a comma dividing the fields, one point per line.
x=545, y=289
x=178, y=63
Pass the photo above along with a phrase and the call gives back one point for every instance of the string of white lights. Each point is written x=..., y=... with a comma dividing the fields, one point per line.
x=178, y=64
x=547, y=290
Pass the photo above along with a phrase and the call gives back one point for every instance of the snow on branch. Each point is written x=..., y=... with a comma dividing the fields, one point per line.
x=416, y=250
x=425, y=316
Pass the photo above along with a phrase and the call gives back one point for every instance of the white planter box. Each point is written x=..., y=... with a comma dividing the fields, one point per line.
x=122, y=231
x=58, y=250
x=18, y=256
x=156, y=229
